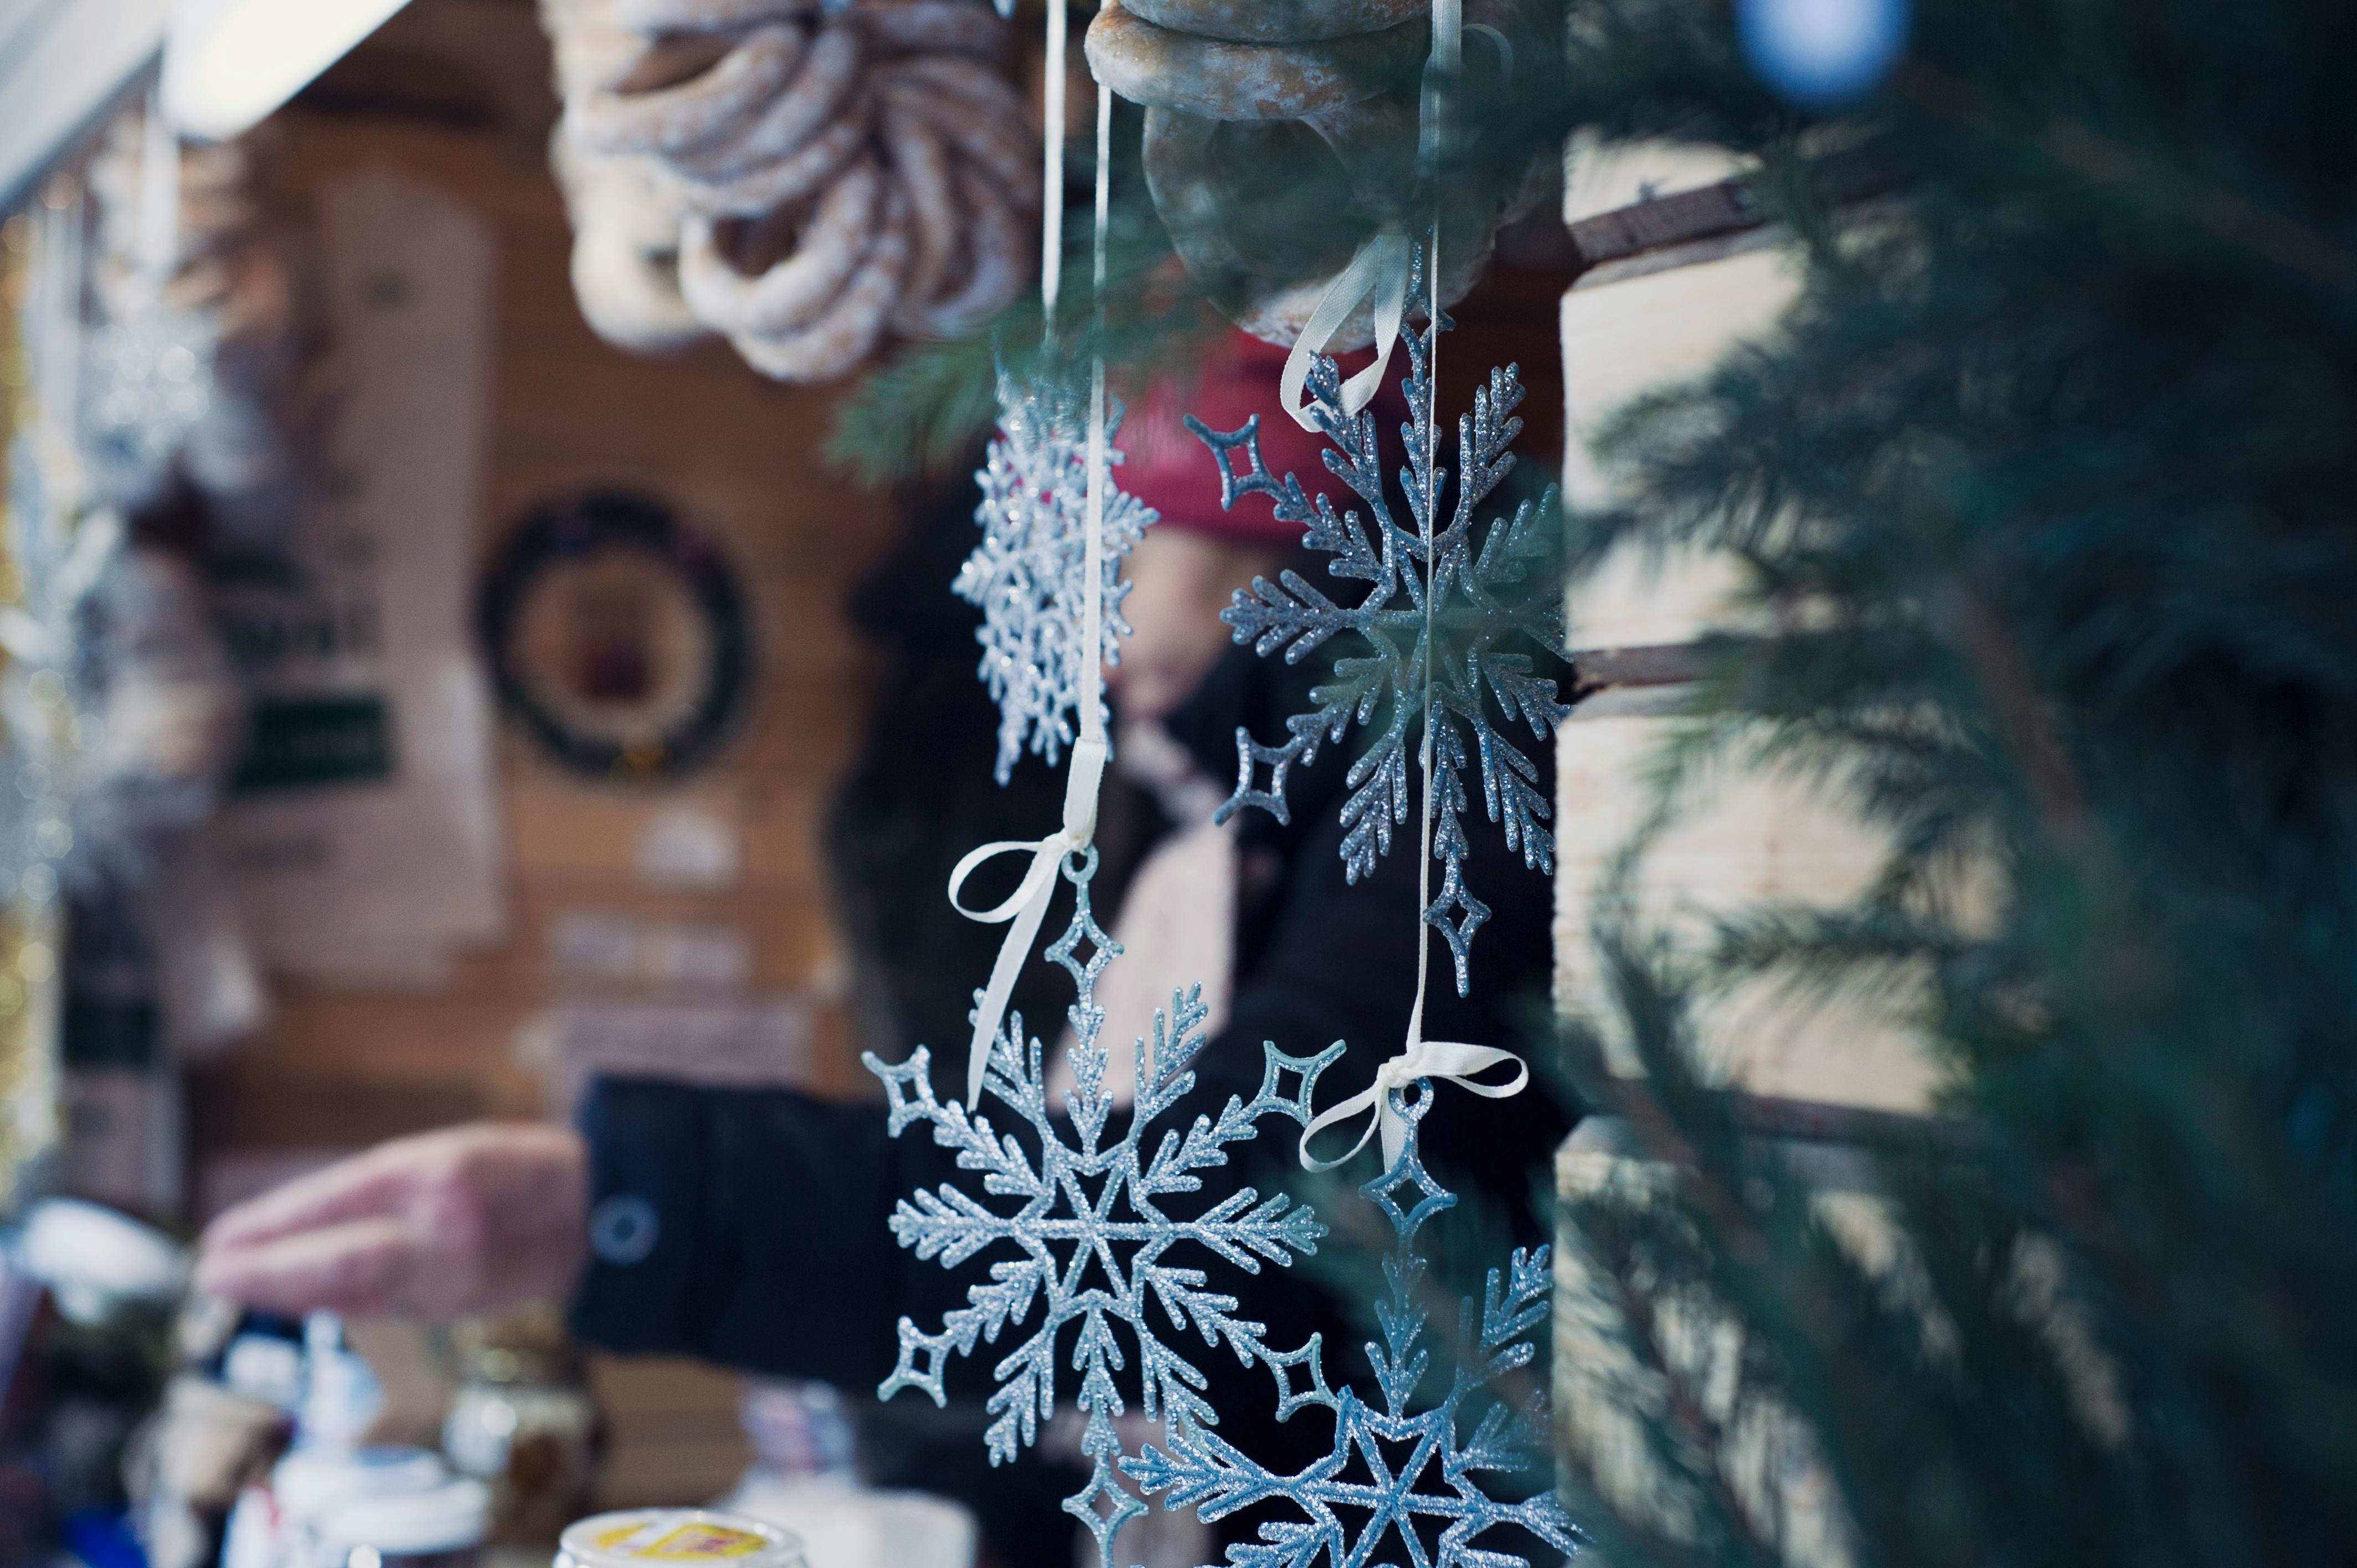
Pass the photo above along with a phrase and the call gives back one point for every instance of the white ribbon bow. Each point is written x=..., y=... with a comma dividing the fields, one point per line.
x=1027, y=905
x=1379, y=272
x=1440, y=1060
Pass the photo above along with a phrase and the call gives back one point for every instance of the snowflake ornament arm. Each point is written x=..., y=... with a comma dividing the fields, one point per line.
x=1491, y=623
x=1028, y=572
x=1087, y=1231
x=1392, y=1469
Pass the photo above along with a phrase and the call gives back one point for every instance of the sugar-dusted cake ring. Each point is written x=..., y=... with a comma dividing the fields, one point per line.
x=833, y=342
x=1280, y=135
x=799, y=177
x=1227, y=78
x=1275, y=21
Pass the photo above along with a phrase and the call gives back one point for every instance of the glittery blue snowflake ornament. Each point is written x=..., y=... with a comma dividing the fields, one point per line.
x=59, y=556
x=1028, y=575
x=149, y=382
x=62, y=550
x=1092, y=1239
x=1421, y=1475
x=1493, y=620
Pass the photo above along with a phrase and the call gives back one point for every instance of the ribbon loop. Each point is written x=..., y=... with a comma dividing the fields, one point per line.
x=1022, y=910
x=1378, y=273
x=1442, y=1062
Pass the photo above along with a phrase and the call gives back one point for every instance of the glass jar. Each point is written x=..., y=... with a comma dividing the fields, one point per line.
x=637, y=1537
x=524, y=1423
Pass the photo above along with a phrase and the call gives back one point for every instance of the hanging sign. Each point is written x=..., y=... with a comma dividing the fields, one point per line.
x=363, y=832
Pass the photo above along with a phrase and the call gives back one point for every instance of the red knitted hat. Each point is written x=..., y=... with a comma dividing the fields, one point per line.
x=1173, y=472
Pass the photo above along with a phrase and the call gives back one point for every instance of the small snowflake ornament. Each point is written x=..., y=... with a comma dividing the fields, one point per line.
x=61, y=547
x=1028, y=574
x=150, y=382
x=1102, y=1238
x=1422, y=1476
x=1491, y=621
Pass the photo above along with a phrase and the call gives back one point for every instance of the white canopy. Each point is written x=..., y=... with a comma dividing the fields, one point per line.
x=62, y=64
x=227, y=63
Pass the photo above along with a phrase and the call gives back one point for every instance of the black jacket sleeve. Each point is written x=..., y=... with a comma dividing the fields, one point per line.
x=751, y=1228
x=769, y=1210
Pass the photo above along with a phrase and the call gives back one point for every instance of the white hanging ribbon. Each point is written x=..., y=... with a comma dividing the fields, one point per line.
x=1051, y=167
x=1441, y=1061
x=1023, y=911
x=1378, y=274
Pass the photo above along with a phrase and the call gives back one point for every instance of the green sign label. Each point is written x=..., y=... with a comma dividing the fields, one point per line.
x=301, y=743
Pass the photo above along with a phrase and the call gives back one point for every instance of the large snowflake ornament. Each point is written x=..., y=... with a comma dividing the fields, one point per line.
x=1100, y=1237
x=1420, y=1474
x=1030, y=574
x=1492, y=621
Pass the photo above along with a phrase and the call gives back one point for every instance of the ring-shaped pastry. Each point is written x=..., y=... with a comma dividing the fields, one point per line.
x=821, y=250
x=850, y=327
x=692, y=113
x=925, y=169
x=1268, y=275
x=1275, y=21
x=827, y=77
x=789, y=180
x=1162, y=69
x=986, y=127
x=933, y=27
x=996, y=260
x=704, y=15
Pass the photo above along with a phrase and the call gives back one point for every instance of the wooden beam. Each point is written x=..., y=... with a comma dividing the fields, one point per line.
x=1730, y=207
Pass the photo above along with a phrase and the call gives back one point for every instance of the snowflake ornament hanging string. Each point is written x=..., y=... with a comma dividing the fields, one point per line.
x=1030, y=573
x=1469, y=611
x=1060, y=1233
x=1054, y=528
x=1393, y=1468
x=1445, y=609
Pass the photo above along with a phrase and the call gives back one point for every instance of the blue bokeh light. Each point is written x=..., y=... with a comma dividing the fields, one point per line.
x=1820, y=54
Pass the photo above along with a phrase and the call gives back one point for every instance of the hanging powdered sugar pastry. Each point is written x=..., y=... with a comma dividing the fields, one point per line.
x=801, y=178
x=1265, y=118
x=1426, y=1473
